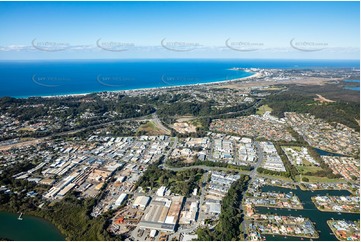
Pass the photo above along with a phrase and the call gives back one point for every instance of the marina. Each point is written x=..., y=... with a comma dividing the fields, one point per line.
x=310, y=211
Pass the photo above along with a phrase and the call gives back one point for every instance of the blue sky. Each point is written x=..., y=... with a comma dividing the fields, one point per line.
x=97, y=30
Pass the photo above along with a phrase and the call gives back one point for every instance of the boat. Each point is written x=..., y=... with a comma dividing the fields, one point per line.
x=20, y=218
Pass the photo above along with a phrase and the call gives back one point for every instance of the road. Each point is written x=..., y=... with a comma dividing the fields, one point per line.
x=200, y=214
x=259, y=160
x=252, y=175
x=206, y=168
x=39, y=140
x=159, y=124
x=175, y=142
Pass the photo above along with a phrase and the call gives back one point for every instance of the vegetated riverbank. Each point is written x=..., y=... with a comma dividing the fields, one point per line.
x=71, y=216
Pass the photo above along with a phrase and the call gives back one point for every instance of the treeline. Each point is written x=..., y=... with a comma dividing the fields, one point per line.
x=326, y=170
x=185, y=108
x=181, y=182
x=343, y=112
x=65, y=111
x=75, y=106
x=198, y=109
x=230, y=218
x=291, y=171
x=72, y=217
x=178, y=164
x=273, y=173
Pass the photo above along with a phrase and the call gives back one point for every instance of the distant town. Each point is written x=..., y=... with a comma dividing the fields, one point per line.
x=276, y=154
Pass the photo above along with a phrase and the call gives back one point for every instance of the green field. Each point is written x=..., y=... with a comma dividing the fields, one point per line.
x=318, y=179
x=275, y=177
x=312, y=169
x=150, y=128
x=264, y=108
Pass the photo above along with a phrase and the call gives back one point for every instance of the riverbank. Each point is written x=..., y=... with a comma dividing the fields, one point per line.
x=283, y=226
x=295, y=236
x=328, y=209
x=349, y=230
x=71, y=217
x=279, y=207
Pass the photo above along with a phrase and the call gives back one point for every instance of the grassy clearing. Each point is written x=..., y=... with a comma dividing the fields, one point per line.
x=264, y=108
x=312, y=169
x=275, y=177
x=196, y=122
x=150, y=128
x=318, y=179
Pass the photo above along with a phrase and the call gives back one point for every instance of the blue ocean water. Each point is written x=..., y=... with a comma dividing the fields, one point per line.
x=47, y=78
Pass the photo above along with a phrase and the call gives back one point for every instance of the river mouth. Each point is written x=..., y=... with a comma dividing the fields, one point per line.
x=30, y=228
x=310, y=211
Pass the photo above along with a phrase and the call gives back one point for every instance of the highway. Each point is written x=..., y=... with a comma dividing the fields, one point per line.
x=70, y=132
x=206, y=168
x=159, y=124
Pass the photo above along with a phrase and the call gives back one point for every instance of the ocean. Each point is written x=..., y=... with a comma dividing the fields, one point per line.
x=50, y=78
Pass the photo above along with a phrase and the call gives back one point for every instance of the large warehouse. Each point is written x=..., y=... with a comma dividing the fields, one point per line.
x=162, y=214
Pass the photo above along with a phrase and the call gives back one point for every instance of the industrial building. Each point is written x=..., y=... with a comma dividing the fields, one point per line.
x=120, y=200
x=141, y=202
x=162, y=214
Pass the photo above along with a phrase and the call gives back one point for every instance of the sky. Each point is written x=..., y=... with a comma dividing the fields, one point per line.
x=123, y=30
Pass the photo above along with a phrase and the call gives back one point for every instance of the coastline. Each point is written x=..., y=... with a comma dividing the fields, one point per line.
x=253, y=75
x=270, y=206
x=296, y=236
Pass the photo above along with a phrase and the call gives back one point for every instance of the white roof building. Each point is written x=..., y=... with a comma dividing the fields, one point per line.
x=161, y=191
x=141, y=202
x=120, y=199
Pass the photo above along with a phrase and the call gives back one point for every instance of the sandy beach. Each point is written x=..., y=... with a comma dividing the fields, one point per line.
x=254, y=75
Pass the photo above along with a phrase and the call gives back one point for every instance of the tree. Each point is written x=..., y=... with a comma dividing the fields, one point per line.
x=305, y=179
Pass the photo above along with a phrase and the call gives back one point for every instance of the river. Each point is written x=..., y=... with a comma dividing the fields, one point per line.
x=309, y=211
x=30, y=228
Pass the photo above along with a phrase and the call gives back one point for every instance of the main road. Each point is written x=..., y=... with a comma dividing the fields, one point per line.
x=74, y=131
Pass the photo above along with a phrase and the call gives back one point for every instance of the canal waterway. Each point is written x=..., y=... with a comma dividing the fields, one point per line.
x=310, y=211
